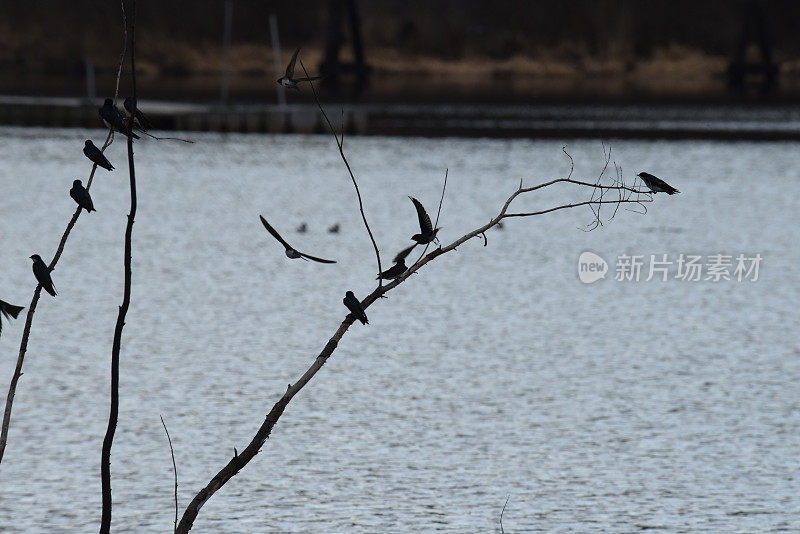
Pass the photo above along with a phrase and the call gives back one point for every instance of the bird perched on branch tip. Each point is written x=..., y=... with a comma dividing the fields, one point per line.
x=656, y=185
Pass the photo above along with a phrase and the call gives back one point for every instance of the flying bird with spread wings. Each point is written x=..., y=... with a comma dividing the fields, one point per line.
x=427, y=232
x=288, y=80
x=290, y=251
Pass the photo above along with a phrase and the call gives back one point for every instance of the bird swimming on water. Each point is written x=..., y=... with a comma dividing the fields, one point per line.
x=288, y=79
x=290, y=252
x=42, y=274
x=113, y=118
x=9, y=311
x=656, y=185
x=427, y=232
x=80, y=195
x=139, y=118
x=96, y=155
x=354, y=305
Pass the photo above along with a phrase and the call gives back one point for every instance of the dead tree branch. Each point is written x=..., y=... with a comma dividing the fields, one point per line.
x=105, y=456
x=174, y=470
x=238, y=461
x=23, y=347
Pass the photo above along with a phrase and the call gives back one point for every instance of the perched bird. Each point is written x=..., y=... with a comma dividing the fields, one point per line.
x=427, y=231
x=42, y=274
x=80, y=195
x=303, y=228
x=290, y=252
x=403, y=254
x=393, y=272
x=656, y=185
x=354, y=305
x=288, y=79
x=96, y=155
x=334, y=229
x=113, y=118
x=9, y=311
x=139, y=118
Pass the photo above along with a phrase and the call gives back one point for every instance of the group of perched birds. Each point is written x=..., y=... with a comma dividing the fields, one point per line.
x=114, y=119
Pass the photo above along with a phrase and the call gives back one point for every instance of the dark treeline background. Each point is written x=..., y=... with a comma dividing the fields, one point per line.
x=183, y=37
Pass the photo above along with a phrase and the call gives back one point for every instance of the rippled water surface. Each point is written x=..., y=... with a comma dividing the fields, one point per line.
x=494, y=373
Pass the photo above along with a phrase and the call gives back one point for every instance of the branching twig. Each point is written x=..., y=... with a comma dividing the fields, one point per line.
x=174, y=470
x=238, y=461
x=105, y=457
x=23, y=347
x=340, y=144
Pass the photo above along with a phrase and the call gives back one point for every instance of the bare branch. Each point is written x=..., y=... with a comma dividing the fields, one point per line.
x=340, y=144
x=501, y=515
x=175, y=471
x=23, y=347
x=241, y=459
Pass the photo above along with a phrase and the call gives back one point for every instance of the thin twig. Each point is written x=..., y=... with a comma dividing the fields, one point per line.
x=108, y=440
x=340, y=144
x=174, y=470
x=501, y=514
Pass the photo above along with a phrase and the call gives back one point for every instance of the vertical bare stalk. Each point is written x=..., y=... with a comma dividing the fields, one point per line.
x=174, y=470
x=105, y=459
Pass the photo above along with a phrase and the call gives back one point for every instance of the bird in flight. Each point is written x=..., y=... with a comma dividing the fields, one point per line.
x=9, y=311
x=290, y=252
x=140, y=119
x=656, y=185
x=354, y=305
x=288, y=79
x=80, y=195
x=113, y=118
x=42, y=274
x=427, y=232
x=96, y=155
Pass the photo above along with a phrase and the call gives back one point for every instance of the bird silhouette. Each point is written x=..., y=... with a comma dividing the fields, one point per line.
x=354, y=305
x=288, y=80
x=427, y=231
x=80, y=195
x=113, y=118
x=96, y=155
x=9, y=311
x=656, y=185
x=403, y=254
x=42, y=274
x=393, y=272
x=334, y=229
x=290, y=252
x=303, y=228
x=139, y=118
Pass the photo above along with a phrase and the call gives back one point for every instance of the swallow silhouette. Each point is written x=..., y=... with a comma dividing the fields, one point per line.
x=139, y=118
x=42, y=274
x=393, y=272
x=288, y=80
x=96, y=155
x=9, y=311
x=334, y=229
x=354, y=305
x=656, y=185
x=112, y=118
x=290, y=252
x=80, y=195
x=427, y=233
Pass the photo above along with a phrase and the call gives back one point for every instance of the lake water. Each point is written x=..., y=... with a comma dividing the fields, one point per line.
x=616, y=406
